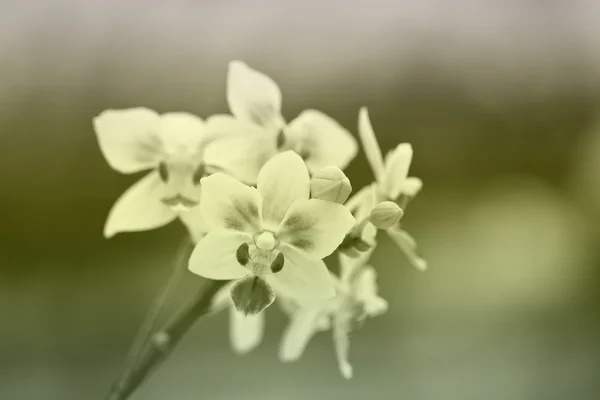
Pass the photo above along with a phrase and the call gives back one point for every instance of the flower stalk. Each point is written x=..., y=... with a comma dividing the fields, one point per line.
x=163, y=342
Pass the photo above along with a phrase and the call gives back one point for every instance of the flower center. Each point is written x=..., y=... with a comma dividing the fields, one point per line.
x=181, y=179
x=260, y=261
x=265, y=241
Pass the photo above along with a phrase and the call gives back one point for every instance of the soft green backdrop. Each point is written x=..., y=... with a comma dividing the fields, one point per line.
x=498, y=100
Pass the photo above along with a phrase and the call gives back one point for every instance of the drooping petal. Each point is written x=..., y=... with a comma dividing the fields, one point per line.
x=128, y=138
x=226, y=203
x=301, y=277
x=322, y=140
x=214, y=257
x=283, y=180
x=241, y=148
x=408, y=245
x=245, y=331
x=396, y=169
x=315, y=227
x=341, y=341
x=139, y=208
x=253, y=96
x=251, y=295
x=370, y=145
x=303, y=325
x=181, y=133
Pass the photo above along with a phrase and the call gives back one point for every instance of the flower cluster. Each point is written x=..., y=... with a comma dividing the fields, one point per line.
x=265, y=201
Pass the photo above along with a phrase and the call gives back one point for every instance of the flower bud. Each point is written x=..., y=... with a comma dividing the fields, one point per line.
x=386, y=214
x=330, y=184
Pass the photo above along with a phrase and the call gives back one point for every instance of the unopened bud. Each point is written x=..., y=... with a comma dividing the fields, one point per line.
x=386, y=214
x=330, y=184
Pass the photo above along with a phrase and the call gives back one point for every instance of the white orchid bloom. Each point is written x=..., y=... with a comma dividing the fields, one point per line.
x=391, y=174
x=320, y=140
x=273, y=235
x=356, y=300
x=178, y=147
x=392, y=183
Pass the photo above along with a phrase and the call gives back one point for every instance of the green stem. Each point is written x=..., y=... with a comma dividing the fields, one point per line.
x=150, y=323
x=163, y=342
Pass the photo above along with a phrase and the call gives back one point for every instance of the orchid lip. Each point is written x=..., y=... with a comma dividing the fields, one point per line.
x=179, y=202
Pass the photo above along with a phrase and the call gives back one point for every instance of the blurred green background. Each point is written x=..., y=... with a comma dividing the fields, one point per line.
x=498, y=99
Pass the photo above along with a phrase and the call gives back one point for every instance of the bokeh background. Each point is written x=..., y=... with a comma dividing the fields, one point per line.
x=500, y=100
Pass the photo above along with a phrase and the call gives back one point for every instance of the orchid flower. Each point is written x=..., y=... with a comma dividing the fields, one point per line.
x=255, y=98
x=179, y=149
x=391, y=174
x=272, y=236
x=356, y=300
x=392, y=184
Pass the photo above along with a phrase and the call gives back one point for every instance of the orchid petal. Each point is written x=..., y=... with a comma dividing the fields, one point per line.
x=283, y=180
x=288, y=304
x=181, y=133
x=370, y=145
x=245, y=331
x=221, y=126
x=341, y=341
x=226, y=203
x=322, y=139
x=139, y=208
x=396, y=169
x=375, y=306
x=241, y=150
x=253, y=96
x=302, y=327
x=128, y=138
x=315, y=227
x=412, y=186
x=301, y=277
x=214, y=257
x=366, y=290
